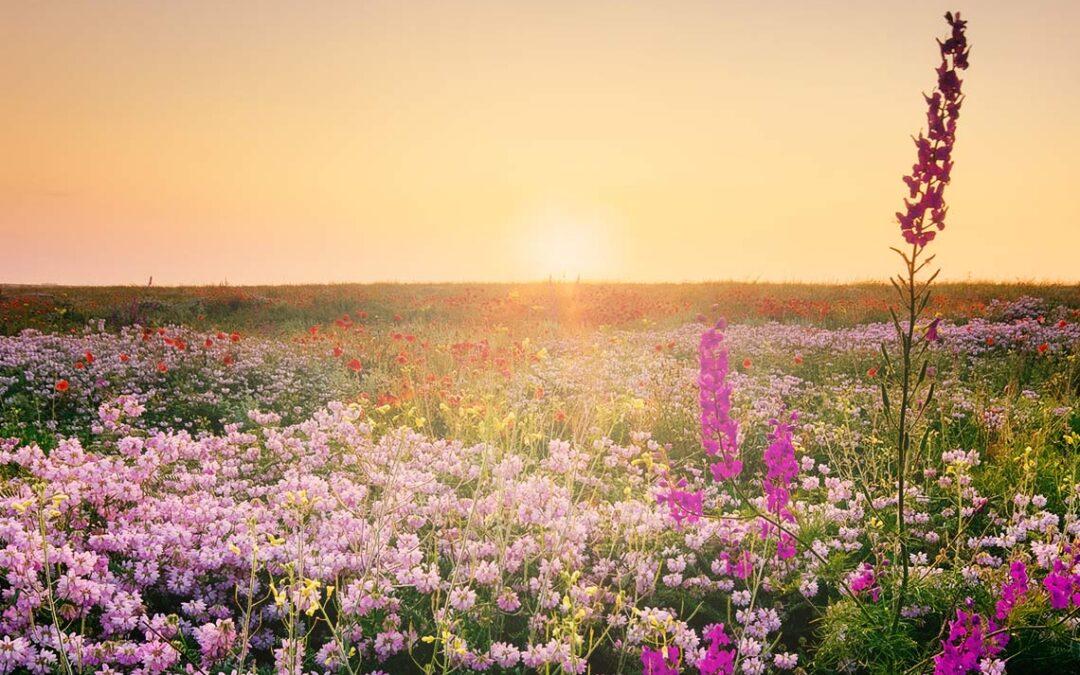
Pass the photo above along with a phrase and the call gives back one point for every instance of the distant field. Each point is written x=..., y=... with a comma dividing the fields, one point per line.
x=279, y=310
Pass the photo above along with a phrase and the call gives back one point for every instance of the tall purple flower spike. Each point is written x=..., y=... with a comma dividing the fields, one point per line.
x=719, y=432
x=924, y=213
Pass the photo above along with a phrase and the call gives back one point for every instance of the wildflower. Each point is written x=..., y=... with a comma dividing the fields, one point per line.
x=872, y=372
x=682, y=504
x=162, y=367
x=932, y=330
x=1060, y=585
x=864, y=580
x=717, y=661
x=971, y=639
x=925, y=207
x=719, y=432
x=1012, y=591
x=663, y=661
x=355, y=365
x=215, y=639
x=62, y=386
x=780, y=470
x=786, y=660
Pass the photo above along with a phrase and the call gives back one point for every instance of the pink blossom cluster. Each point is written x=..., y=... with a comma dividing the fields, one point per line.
x=719, y=430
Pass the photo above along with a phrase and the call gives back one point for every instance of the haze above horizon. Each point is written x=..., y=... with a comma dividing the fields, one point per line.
x=282, y=142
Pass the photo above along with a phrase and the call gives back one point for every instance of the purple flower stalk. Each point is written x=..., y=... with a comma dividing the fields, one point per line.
x=664, y=661
x=717, y=661
x=971, y=640
x=1012, y=591
x=719, y=432
x=924, y=213
x=780, y=470
x=1062, y=586
x=683, y=505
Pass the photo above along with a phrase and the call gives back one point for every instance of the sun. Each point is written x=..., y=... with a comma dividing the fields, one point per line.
x=566, y=246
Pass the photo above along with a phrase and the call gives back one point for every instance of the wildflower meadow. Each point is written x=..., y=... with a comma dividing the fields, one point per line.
x=552, y=477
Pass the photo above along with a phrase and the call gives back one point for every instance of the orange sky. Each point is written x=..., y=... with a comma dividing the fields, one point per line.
x=507, y=140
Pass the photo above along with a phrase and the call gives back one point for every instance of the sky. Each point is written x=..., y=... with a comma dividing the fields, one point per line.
x=453, y=140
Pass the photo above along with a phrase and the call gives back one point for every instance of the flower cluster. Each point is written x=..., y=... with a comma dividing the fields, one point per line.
x=781, y=470
x=972, y=645
x=924, y=214
x=719, y=430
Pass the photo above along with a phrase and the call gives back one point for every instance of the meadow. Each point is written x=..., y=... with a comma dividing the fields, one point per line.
x=447, y=478
x=550, y=477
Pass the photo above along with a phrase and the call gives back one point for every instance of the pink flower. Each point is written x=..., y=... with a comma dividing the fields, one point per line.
x=719, y=432
x=663, y=661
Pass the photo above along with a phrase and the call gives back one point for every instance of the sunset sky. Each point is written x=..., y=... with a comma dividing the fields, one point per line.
x=266, y=142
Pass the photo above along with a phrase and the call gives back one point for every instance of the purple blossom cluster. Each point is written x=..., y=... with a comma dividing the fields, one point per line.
x=719, y=430
x=925, y=209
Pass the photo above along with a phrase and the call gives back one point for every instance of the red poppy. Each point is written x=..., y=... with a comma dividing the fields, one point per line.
x=990, y=342
x=355, y=365
x=124, y=358
x=1062, y=323
x=228, y=360
x=798, y=359
x=62, y=385
x=338, y=351
x=560, y=416
x=746, y=363
x=79, y=365
x=235, y=337
x=162, y=368
x=872, y=373
x=89, y=357
x=209, y=343
x=1043, y=347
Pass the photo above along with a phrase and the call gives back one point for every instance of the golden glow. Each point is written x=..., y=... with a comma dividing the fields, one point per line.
x=493, y=140
x=567, y=245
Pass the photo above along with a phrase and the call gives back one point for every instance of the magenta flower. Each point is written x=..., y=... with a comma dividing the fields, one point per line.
x=1012, y=591
x=924, y=213
x=1060, y=585
x=780, y=470
x=719, y=432
x=971, y=639
x=717, y=661
x=864, y=580
x=663, y=661
x=683, y=505
x=932, y=330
